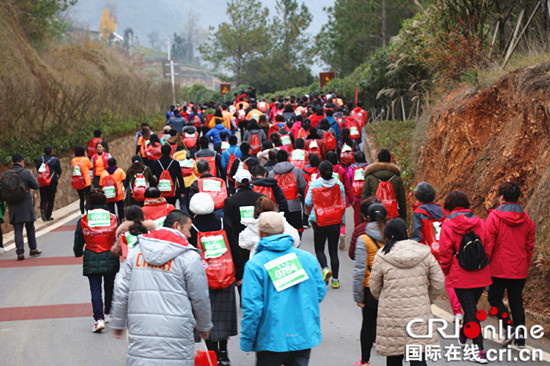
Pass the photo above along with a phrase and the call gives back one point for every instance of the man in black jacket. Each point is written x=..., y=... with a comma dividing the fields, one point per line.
x=173, y=167
x=47, y=192
x=259, y=179
x=206, y=152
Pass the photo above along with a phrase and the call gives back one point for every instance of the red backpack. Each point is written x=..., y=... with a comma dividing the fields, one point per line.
x=313, y=147
x=110, y=188
x=190, y=139
x=358, y=181
x=328, y=204
x=360, y=115
x=166, y=184
x=386, y=195
x=353, y=126
x=266, y=191
x=287, y=141
x=196, y=120
x=329, y=142
x=255, y=145
x=44, y=175
x=241, y=115
x=289, y=185
x=346, y=155
x=78, y=180
x=298, y=158
x=91, y=146
x=153, y=153
x=216, y=258
x=232, y=159
x=139, y=187
x=215, y=188
x=212, y=162
x=187, y=167
x=430, y=231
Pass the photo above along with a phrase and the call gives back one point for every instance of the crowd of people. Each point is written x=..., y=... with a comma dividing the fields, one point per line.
x=200, y=215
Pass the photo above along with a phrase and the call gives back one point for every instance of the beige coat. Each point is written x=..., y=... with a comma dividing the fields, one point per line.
x=405, y=281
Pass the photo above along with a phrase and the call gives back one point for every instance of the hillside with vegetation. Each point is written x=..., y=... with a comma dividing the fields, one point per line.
x=55, y=90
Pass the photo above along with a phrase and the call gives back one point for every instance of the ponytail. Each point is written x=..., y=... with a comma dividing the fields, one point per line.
x=395, y=230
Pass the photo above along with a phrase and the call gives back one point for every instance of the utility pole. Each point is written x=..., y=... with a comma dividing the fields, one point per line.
x=172, y=74
x=384, y=30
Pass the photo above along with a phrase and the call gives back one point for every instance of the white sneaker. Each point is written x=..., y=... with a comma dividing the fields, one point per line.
x=2, y=250
x=108, y=318
x=99, y=326
x=342, y=244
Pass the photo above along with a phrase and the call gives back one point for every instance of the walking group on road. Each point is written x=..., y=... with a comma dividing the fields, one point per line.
x=200, y=225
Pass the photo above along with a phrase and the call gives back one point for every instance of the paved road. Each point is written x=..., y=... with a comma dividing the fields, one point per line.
x=46, y=315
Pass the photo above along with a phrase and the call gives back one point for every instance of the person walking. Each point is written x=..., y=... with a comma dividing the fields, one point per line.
x=510, y=243
x=93, y=239
x=81, y=180
x=405, y=279
x=117, y=192
x=138, y=178
x=367, y=246
x=100, y=162
x=161, y=295
x=16, y=184
x=177, y=186
x=326, y=221
x=468, y=284
x=49, y=171
x=281, y=320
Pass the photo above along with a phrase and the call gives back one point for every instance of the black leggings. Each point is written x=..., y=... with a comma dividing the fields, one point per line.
x=84, y=194
x=331, y=234
x=368, y=330
x=468, y=298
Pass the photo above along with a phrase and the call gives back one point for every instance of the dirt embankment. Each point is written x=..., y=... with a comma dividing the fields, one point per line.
x=480, y=138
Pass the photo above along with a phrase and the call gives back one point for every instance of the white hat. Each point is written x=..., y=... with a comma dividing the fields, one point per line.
x=201, y=204
x=242, y=174
x=270, y=222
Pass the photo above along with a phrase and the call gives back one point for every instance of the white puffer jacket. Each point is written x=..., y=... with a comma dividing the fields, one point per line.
x=405, y=281
x=161, y=294
x=250, y=236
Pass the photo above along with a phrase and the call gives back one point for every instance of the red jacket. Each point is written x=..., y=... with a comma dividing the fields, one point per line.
x=510, y=241
x=453, y=229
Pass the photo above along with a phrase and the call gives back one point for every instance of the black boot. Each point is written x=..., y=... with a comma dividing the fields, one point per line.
x=43, y=215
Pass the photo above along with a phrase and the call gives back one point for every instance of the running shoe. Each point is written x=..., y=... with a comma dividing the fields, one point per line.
x=478, y=357
x=326, y=274
x=359, y=363
x=335, y=284
x=342, y=244
x=520, y=342
x=509, y=339
x=108, y=318
x=98, y=326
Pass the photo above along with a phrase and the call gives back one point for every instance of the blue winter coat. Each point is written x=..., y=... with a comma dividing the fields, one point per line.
x=214, y=134
x=334, y=125
x=235, y=150
x=280, y=321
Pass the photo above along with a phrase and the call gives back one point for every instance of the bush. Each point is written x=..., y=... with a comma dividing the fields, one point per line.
x=198, y=93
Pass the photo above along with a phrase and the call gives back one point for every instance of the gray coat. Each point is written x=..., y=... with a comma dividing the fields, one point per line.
x=24, y=210
x=161, y=294
x=284, y=167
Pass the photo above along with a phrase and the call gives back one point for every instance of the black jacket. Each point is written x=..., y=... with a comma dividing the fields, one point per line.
x=53, y=163
x=245, y=196
x=175, y=171
x=208, y=152
x=211, y=223
x=251, y=162
x=282, y=204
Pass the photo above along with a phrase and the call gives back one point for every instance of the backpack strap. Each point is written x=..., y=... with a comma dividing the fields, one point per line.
x=389, y=180
x=221, y=222
x=161, y=166
x=375, y=242
x=194, y=227
x=169, y=165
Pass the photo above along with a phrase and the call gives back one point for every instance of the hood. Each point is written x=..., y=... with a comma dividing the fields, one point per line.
x=264, y=182
x=511, y=214
x=327, y=183
x=359, y=165
x=172, y=140
x=383, y=166
x=406, y=254
x=283, y=167
x=310, y=169
x=432, y=209
x=463, y=220
x=163, y=245
x=374, y=232
x=275, y=243
x=219, y=126
x=189, y=129
x=111, y=169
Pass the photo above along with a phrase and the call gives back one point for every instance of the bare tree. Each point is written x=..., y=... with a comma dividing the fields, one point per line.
x=154, y=39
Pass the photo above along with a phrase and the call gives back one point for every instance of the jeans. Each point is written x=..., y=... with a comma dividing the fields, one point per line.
x=47, y=198
x=84, y=194
x=468, y=298
x=95, y=289
x=294, y=358
x=18, y=233
x=514, y=289
x=331, y=234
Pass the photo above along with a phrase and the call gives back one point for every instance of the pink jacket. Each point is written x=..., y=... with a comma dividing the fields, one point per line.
x=510, y=241
x=454, y=227
x=345, y=181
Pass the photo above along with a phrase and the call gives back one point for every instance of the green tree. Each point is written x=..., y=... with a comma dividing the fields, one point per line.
x=246, y=37
x=356, y=28
x=181, y=49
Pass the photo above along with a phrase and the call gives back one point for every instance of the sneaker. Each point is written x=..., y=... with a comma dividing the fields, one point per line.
x=478, y=357
x=359, y=363
x=326, y=274
x=520, y=342
x=223, y=359
x=107, y=318
x=342, y=244
x=335, y=283
x=2, y=250
x=509, y=339
x=99, y=326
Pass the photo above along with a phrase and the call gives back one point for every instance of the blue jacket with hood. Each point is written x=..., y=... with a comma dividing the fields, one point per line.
x=214, y=133
x=280, y=321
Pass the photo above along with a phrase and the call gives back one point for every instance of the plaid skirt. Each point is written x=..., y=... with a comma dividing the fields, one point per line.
x=224, y=314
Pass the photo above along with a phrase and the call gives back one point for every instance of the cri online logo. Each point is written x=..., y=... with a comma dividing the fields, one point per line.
x=472, y=329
